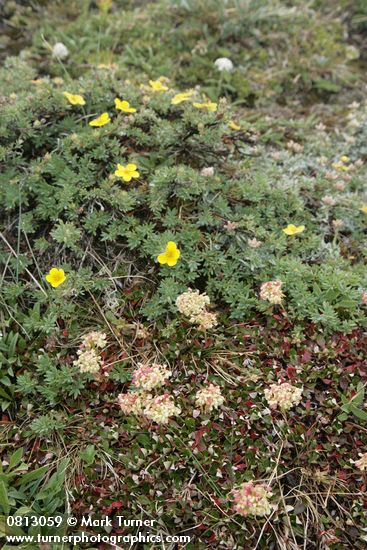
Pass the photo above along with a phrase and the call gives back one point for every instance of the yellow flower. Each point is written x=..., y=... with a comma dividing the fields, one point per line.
x=158, y=86
x=344, y=158
x=103, y=119
x=364, y=209
x=179, y=98
x=55, y=277
x=233, y=125
x=74, y=99
x=207, y=105
x=123, y=105
x=171, y=254
x=293, y=229
x=340, y=167
x=104, y=5
x=127, y=172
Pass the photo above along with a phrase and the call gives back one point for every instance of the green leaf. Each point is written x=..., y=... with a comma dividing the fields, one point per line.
x=4, y=501
x=15, y=459
x=32, y=476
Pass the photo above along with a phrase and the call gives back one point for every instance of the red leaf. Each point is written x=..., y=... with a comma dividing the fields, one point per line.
x=291, y=372
x=116, y=504
x=306, y=356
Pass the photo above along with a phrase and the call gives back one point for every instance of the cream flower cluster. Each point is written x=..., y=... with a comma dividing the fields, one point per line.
x=272, y=291
x=252, y=500
x=362, y=462
x=160, y=408
x=283, y=396
x=205, y=320
x=192, y=304
x=89, y=360
x=94, y=339
x=209, y=398
x=147, y=377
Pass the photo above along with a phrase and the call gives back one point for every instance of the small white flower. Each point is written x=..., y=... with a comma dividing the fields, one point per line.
x=60, y=51
x=223, y=64
x=207, y=172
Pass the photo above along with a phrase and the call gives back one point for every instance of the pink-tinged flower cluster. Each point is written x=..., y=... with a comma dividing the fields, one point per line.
x=94, y=339
x=364, y=297
x=147, y=377
x=88, y=361
x=130, y=403
x=362, y=462
x=272, y=292
x=161, y=408
x=329, y=200
x=252, y=499
x=192, y=304
x=254, y=243
x=209, y=398
x=283, y=396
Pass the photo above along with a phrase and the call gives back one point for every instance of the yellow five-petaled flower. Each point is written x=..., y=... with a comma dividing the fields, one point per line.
x=127, y=172
x=74, y=99
x=171, y=255
x=55, y=277
x=103, y=119
x=293, y=229
x=158, y=86
x=209, y=105
x=233, y=125
x=124, y=106
x=183, y=96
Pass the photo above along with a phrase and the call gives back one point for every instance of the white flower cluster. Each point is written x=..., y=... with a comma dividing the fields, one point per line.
x=89, y=360
x=272, y=292
x=147, y=377
x=224, y=64
x=209, y=398
x=192, y=304
x=60, y=51
x=283, y=396
x=252, y=499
